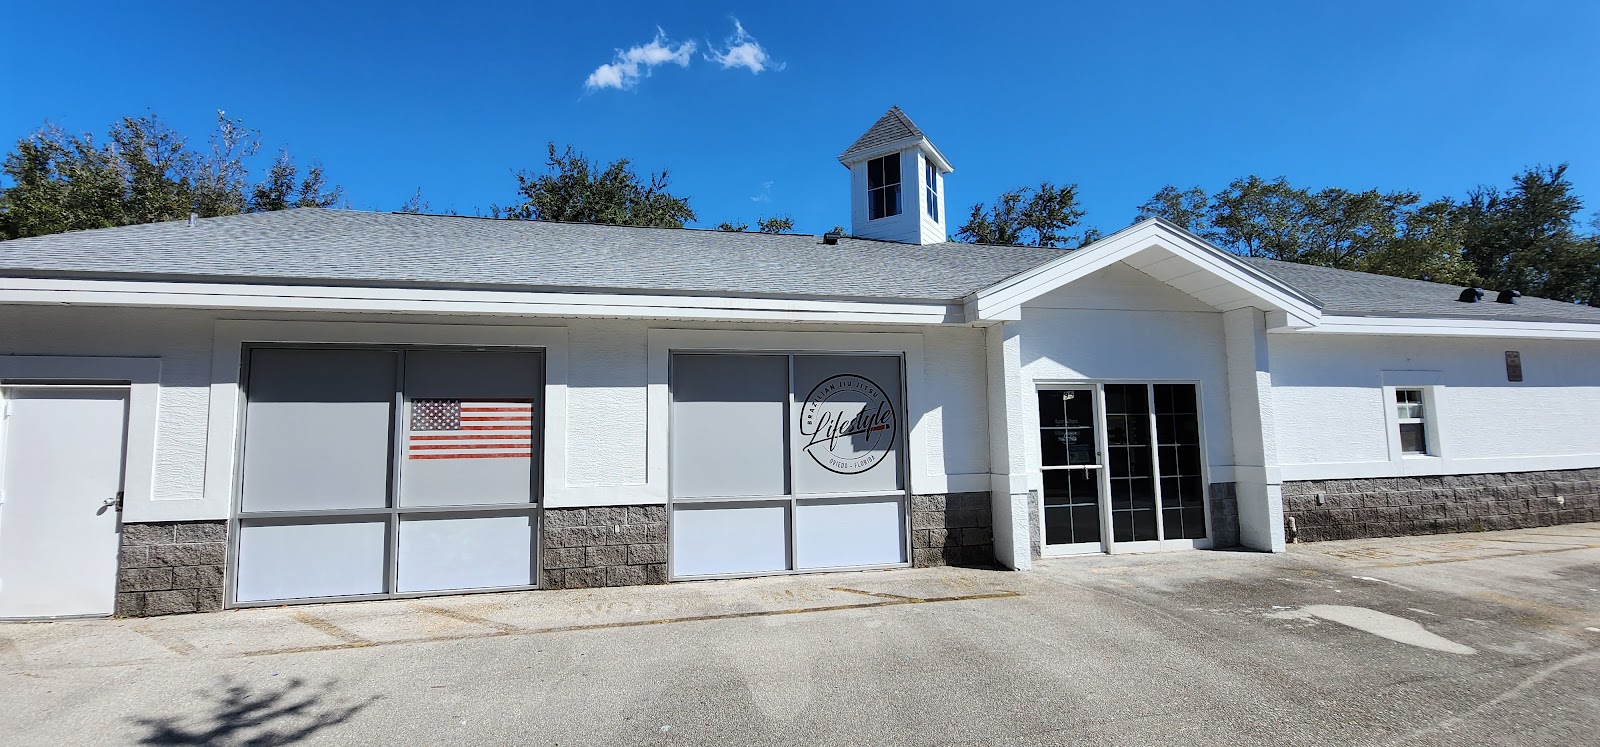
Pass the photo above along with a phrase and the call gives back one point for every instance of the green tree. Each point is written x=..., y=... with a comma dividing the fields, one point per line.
x=578, y=190
x=733, y=227
x=1391, y=233
x=775, y=224
x=143, y=172
x=283, y=187
x=1038, y=216
x=1526, y=238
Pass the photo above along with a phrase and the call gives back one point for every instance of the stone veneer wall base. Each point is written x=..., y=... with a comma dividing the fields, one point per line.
x=171, y=567
x=584, y=548
x=1397, y=506
x=952, y=529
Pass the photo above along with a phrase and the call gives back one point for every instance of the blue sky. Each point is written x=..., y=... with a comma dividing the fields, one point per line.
x=1118, y=97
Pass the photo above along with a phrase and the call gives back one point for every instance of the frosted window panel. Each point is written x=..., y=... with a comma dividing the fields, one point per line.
x=471, y=432
x=838, y=532
x=727, y=425
x=465, y=553
x=714, y=539
x=317, y=429
x=848, y=424
x=305, y=561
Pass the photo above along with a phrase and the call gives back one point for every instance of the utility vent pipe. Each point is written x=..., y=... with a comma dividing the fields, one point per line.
x=192, y=217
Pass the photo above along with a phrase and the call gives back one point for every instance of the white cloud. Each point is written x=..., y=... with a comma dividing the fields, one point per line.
x=766, y=193
x=634, y=63
x=743, y=51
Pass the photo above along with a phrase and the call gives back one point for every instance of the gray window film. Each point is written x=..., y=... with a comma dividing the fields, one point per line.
x=1183, y=486
x=847, y=424
x=335, y=400
x=736, y=435
x=728, y=425
x=317, y=429
x=471, y=428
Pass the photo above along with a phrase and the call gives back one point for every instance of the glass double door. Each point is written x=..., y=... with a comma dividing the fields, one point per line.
x=1122, y=468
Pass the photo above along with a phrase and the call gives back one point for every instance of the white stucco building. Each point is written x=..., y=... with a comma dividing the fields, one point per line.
x=317, y=405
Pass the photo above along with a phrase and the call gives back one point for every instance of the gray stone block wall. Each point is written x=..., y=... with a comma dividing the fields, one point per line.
x=1396, y=506
x=1224, y=515
x=604, y=546
x=951, y=529
x=167, y=568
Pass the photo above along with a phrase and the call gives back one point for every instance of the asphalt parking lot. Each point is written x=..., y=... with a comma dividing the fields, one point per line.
x=1454, y=639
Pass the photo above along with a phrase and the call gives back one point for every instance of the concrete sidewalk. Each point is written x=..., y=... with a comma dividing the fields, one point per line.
x=1458, y=639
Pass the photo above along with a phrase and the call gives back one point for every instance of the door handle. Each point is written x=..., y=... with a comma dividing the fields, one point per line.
x=113, y=502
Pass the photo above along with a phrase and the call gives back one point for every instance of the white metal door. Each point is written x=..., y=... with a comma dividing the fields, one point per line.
x=61, y=464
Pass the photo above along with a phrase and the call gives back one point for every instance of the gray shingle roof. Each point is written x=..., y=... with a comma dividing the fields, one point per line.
x=1360, y=293
x=310, y=245
x=347, y=247
x=892, y=127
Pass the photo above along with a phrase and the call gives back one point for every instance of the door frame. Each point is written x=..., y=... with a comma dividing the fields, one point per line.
x=1097, y=397
x=1108, y=542
x=125, y=388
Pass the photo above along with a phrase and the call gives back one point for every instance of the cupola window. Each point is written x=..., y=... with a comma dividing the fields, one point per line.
x=883, y=186
x=932, y=190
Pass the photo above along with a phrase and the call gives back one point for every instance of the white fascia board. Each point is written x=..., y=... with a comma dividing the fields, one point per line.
x=900, y=145
x=473, y=302
x=1006, y=297
x=1433, y=327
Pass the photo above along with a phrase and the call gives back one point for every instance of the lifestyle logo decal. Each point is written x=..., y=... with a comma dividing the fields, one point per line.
x=848, y=423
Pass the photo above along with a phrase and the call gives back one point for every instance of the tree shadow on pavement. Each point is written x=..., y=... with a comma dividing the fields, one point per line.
x=250, y=718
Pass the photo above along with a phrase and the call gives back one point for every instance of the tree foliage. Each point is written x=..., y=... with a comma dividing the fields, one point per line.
x=775, y=224
x=1039, y=216
x=1527, y=238
x=1392, y=233
x=144, y=172
x=576, y=189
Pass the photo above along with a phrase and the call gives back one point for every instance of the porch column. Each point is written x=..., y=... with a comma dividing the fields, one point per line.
x=1256, y=480
x=1008, y=470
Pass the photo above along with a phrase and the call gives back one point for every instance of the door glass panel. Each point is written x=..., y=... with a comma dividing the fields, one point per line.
x=1071, y=506
x=470, y=428
x=727, y=425
x=317, y=429
x=1066, y=428
x=847, y=424
x=1182, y=484
x=1130, y=457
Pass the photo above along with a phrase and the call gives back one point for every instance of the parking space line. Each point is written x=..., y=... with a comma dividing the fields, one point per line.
x=349, y=638
x=354, y=641
x=469, y=618
x=1507, y=554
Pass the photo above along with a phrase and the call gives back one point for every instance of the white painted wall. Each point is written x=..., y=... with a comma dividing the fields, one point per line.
x=1331, y=406
x=1119, y=323
x=606, y=390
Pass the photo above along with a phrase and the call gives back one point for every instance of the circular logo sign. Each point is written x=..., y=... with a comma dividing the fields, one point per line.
x=848, y=424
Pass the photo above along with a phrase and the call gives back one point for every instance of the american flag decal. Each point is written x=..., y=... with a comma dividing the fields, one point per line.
x=470, y=429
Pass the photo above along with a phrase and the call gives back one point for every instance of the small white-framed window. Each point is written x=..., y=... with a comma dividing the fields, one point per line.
x=883, y=186
x=1411, y=414
x=931, y=178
